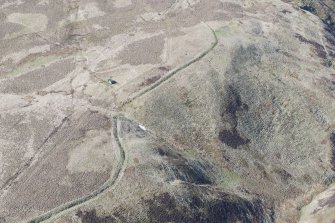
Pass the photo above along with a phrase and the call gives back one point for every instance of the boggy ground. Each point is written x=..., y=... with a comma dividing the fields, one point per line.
x=223, y=111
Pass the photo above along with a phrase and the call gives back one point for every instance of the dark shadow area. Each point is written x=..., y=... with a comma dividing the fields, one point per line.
x=224, y=209
x=232, y=138
x=91, y=217
x=182, y=169
x=332, y=142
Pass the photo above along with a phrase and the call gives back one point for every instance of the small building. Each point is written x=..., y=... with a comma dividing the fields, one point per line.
x=111, y=81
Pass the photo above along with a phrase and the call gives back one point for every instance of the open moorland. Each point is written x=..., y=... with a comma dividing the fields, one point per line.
x=167, y=111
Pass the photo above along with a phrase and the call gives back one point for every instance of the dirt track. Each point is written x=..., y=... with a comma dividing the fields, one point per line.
x=214, y=106
x=176, y=70
x=120, y=166
x=108, y=184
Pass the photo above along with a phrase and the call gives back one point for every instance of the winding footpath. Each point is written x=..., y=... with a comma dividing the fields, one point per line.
x=176, y=70
x=116, y=175
x=112, y=180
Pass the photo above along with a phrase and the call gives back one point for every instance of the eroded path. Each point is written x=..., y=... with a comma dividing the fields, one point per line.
x=117, y=172
x=225, y=119
x=176, y=70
